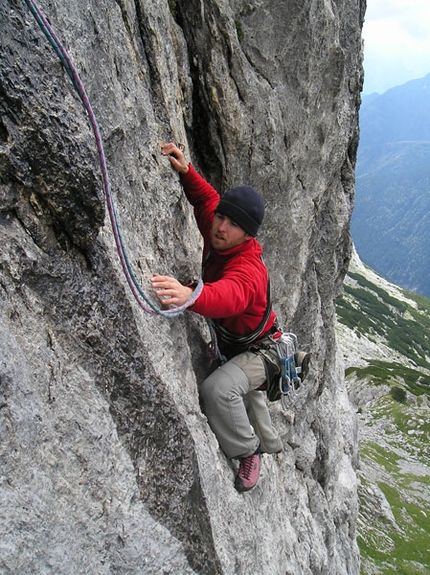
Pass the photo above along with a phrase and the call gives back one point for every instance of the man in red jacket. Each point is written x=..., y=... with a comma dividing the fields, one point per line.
x=235, y=297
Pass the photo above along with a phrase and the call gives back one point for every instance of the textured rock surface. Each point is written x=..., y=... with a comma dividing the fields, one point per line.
x=107, y=463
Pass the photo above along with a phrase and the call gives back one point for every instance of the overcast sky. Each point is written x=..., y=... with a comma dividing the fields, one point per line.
x=396, y=37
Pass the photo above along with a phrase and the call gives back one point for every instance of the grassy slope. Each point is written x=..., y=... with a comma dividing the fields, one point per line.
x=384, y=334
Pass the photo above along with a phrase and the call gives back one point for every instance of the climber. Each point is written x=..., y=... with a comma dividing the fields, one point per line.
x=235, y=297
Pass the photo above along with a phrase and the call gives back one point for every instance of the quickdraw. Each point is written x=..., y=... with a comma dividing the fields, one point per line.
x=145, y=303
x=289, y=380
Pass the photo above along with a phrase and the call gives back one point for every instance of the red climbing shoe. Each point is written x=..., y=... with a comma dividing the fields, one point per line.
x=249, y=471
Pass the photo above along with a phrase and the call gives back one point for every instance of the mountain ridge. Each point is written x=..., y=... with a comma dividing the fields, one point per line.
x=407, y=104
x=390, y=223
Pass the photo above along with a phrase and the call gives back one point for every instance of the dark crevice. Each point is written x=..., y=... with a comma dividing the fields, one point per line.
x=204, y=122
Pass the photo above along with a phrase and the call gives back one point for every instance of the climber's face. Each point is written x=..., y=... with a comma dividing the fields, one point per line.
x=226, y=233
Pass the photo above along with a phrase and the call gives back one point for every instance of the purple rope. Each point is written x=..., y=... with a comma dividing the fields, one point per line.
x=145, y=303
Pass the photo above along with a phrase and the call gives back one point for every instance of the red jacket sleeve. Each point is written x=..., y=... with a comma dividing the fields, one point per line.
x=238, y=298
x=204, y=199
x=226, y=297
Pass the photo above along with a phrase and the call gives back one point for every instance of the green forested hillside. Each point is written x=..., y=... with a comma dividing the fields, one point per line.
x=383, y=332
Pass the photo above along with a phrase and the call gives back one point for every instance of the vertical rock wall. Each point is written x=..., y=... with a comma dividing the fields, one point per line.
x=107, y=463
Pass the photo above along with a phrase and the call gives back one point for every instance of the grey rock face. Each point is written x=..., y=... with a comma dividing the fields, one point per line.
x=107, y=463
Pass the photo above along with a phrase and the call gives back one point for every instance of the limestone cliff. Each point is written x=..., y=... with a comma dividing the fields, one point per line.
x=107, y=463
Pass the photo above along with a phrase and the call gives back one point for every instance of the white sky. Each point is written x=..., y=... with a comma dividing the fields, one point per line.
x=396, y=37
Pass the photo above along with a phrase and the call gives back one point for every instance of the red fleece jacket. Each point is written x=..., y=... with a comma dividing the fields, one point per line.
x=235, y=280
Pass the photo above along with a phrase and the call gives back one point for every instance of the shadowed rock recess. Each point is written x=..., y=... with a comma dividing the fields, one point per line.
x=107, y=464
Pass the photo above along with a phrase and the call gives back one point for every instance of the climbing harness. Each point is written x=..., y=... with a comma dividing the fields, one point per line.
x=145, y=303
x=218, y=332
x=245, y=340
x=212, y=350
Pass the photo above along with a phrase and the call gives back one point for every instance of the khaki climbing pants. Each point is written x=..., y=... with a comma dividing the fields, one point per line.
x=237, y=412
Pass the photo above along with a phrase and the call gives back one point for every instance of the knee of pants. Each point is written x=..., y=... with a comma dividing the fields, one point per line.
x=224, y=384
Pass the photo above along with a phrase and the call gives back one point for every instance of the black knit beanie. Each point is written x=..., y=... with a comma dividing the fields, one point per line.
x=245, y=206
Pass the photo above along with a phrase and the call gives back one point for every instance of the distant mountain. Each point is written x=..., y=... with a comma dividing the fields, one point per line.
x=391, y=219
x=400, y=114
x=384, y=335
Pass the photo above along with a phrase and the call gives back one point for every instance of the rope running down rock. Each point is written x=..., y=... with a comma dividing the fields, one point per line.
x=145, y=303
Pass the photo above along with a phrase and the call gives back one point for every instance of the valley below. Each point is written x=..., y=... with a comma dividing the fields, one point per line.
x=382, y=333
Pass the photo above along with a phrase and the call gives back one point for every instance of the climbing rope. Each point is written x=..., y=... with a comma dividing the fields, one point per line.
x=145, y=303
